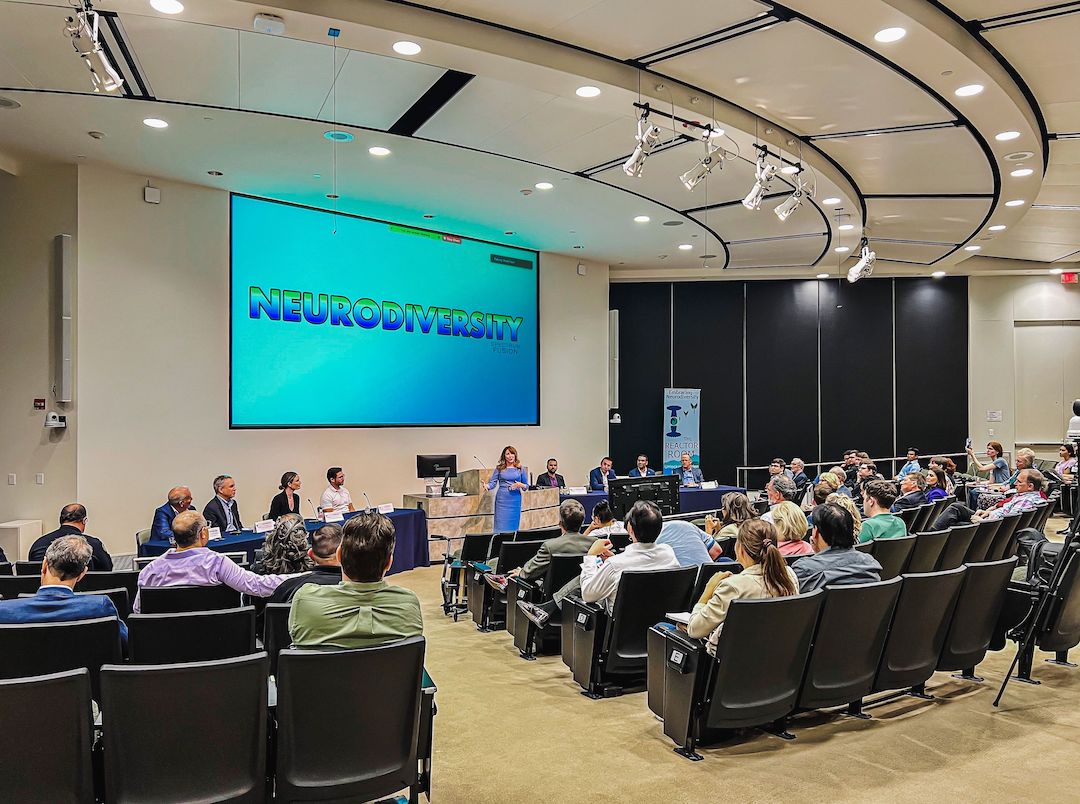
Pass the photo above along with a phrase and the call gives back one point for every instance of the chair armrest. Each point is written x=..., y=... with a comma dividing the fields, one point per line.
x=585, y=615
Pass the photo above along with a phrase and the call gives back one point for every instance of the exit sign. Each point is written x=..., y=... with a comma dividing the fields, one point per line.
x=1070, y=278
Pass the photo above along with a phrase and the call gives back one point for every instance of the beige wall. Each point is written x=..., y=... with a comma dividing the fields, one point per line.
x=995, y=304
x=153, y=372
x=35, y=206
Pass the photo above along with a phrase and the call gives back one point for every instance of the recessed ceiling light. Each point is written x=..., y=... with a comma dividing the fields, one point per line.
x=406, y=48
x=96, y=135
x=938, y=274
x=1056, y=271
x=886, y=35
x=972, y=248
x=685, y=246
x=1019, y=156
x=1005, y=136
x=830, y=201
x=378, y=150
x=641, y=219
x=841, y=249
x=338, y=136
x=155, y=122
x=1016, y=202
x=1019, y=173
x=9, y=103
x=587, y=91
x=707, y=257
x=167, y=6
x=544, y=185
x=822, y=276
x=969, y=90
x=214, y=173
x=333, y=196
x=671, y=223
x=997, y=227
x=846, y=227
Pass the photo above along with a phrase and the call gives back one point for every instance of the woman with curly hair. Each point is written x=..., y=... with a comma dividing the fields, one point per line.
x=285, y=549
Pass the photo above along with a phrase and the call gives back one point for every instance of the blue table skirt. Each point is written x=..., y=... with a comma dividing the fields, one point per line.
x=690, y=500
x=410, y=550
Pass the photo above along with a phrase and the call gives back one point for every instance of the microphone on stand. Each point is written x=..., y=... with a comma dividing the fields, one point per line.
x=368, y=509
x=313, y=508
x=475, y=458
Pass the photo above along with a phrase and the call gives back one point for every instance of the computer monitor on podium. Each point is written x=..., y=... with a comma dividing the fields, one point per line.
x=437, y=466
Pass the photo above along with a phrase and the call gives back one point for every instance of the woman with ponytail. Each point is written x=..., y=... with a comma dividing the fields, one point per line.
x=765, y=574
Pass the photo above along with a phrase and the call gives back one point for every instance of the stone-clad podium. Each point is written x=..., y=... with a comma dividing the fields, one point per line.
x=473, y=513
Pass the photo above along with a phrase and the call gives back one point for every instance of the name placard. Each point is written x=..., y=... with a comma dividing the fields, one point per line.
x=386, y=508
x=709, y=484
x=576, y=490
x=334, y=516
x=215, y=533
x=264, y=526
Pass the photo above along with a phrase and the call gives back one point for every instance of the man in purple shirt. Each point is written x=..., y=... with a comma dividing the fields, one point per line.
x=190, y=563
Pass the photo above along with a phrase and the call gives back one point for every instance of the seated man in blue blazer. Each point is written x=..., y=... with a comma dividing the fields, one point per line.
x=689, y=475
x=179, y=500
x=65, y=563
x=599, y=477
x=642, y=469
x=912, y=492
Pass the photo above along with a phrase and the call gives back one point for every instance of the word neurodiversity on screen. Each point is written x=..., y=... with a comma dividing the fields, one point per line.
x=339, y=311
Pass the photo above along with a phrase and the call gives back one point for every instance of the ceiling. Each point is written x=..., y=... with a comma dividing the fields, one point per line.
x=488, y=109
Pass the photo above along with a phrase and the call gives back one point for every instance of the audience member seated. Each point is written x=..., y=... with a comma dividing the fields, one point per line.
x=1066, y=467
x=988, y=495
x=835, y=559
x=191, y=563
x=551, y=478
x=822, y=492
x=571, y=541
x=287, y=500
x=848, y=505
x=780, y=488
x=798, y=473
x=285, y=549
x=179, y=501
x=73, y=523
x=1028, y=494
x=912, y=464
x=222, y=511
x=778, y=467
x=363, y=610
x=66, y=562
x=947, y=466
x=935, y=485
x=689, y=475
x=878, y=498
x=693, y=546
x=599, y=477
x=867, y=472
x=735, y=508
x=841, y=475
x=765, y=574
x=324, y=555
x=642, y=468
x=603, y=523
x=997, y=466
x=601, y=568
x=851, y=467
x=790, y=523
x=912, y=492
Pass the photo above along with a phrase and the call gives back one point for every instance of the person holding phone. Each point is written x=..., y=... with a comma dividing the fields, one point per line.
x=511, y=478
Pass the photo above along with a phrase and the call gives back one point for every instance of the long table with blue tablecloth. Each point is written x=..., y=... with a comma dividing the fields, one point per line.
x=410, y=547
x=690, y=499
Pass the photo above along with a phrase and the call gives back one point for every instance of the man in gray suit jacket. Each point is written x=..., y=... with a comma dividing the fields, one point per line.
x=569, y=542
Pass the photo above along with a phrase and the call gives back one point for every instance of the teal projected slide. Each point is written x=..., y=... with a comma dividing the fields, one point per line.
x=378, y=324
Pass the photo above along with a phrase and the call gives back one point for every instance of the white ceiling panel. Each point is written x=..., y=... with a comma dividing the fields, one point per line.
x=943, y=160
x=1049, y=226
x=286, y=76
x=38, y=52
x=921, y=253
x=376, y=90
x=481, y=110
x=808, y=81
x=943, y=220
x=1016, y=249
x=793, y=251
x=736, y=222
x=984, y=9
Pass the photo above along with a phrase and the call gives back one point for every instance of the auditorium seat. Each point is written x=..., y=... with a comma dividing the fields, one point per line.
x=1003, y=538
x=28, y=568
x=275, y=634
x=119, y=598
x=893, y=555
x=218, y=708
x=362, y=748
x=487, y=605
x=981, y=597
x=956, y=546
x=11, y=586
x=908, y=515
x=94, y=581
x=143, y=561
x=46, y=743
x=922, y=519
x=532, y=534
x=979, y=549
x=193, y=636
x=929, y=546
x=474, y=547
x=6, y=569
x=527, y=638
x=706, y=571
x=37, y=649
x=171, y=599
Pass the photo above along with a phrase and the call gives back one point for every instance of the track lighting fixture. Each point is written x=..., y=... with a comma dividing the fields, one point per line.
x=865, y=266
x=648, y=137
x=83, y=30
x=763, y=176
x=794, y=201
x=714, y=157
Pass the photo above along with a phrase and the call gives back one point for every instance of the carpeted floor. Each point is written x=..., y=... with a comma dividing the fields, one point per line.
x=508, y=730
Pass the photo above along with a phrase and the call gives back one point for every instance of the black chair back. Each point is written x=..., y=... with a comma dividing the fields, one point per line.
x=222, y=704
x=922, y=517
x=979, y=550
x=362, y=748
x=516, y=554
x=276, y=631
x=38, y=649
x=45, y=749
x=705, y=572
x=1026, y=518
x=1047, y=510
x=474, y=547
x=981, y=598
x=119, y=598
x=619, y=541
x=641, y=602
x=143, y=561
x=928, y=549
x=564, y=567
x=1003, y=538
x=173, y=599
x=727, y=547
x=908, y=515
x=848, y=643
x=497, y=542
x=532, y=534
x=96, y=581
x=918, y=630
x=11, y=586
x=866, y=547
x=28, y=568
x=893, y=555
x=761, y=658
x=957, y=546
x=192, y=636
x=1060, y=630
x=6, y=569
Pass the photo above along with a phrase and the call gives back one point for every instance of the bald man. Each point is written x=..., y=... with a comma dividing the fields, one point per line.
x=179, y=501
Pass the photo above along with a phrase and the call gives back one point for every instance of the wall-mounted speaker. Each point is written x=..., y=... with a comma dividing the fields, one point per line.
x=613, y=358
x=66, y=289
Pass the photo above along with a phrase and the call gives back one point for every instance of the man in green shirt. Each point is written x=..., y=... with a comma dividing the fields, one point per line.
x=363, y=610
x=878, y=497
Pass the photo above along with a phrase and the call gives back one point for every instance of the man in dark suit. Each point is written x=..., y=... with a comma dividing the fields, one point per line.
x=642, y=469
x=73, y=523
x=179, y=501
x=65, y=563
x=551, y=478
x=599, y=477
x=324, y=552
x=912, y=492
x=222, y=511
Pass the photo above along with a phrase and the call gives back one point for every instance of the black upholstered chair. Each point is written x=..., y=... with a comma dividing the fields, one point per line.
x=981, y=543
x=95, y=581
x=11, y=586
x=929, y=546
x=119, y=598
x=487, y=605
x=220, y=704
x=191, y=636
x=981, y=597
x=37, y=649
x=957, y=546
x=174, y=599
x=1004, y=538
x=6, y=569
x=276, y=631
x=922, y=518
x=541, y=534
x=893, y=555
x=474, y=547
x=527, y=638
x=705, y=573
x=908, y=515
x=28, y=568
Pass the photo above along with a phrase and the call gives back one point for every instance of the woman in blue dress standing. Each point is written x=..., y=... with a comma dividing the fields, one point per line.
x=512, y=479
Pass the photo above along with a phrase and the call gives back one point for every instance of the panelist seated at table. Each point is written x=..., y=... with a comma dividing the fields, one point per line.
x=689, y=475
x=222, y=511
x=288, y=500
x=336, y=499
x=599, y=477
x=642, y=469
x=179, y=501
x=191, y=563
x=551, y=478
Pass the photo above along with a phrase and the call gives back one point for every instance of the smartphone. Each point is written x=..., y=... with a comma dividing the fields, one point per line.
x=967, y=443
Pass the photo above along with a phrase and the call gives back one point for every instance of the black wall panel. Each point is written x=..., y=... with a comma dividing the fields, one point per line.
x=708, y=338
x=856, y=367
x=781, y=370
x=644, y=372
x=931, y=364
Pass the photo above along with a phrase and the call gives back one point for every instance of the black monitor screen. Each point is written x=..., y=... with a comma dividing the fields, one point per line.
x=436, y=465
x=660, y=489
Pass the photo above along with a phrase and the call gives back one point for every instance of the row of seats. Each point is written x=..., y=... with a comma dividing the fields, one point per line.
x=34, y=567
x=316, y=738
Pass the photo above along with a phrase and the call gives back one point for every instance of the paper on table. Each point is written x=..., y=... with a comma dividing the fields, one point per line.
x=334, y=516
x=264, y=526
x=386, y=508
x=678, y=617
x=213, y=533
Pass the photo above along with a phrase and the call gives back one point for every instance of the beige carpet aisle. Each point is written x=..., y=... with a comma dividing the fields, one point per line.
x=516, y=731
